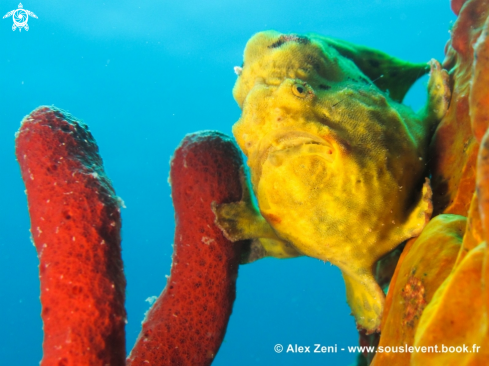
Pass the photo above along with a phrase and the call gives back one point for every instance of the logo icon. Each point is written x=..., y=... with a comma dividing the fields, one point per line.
x=20, y=17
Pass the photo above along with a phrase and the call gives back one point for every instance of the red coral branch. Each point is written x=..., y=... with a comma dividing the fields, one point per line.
x=187, y=323
x=75, y=225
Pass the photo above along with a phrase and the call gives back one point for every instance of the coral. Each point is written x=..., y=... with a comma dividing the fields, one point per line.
x=453, y=151
x=456, y=316
x=337, y=164
x=187, y=323
x=75, y=225
x=451, y=316
x=424, y=264
x=75, y=222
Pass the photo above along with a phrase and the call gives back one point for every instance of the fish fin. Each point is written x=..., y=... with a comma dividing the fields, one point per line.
x=242, y=220
x=386, y=72
x=365, y=298
x=420, y=215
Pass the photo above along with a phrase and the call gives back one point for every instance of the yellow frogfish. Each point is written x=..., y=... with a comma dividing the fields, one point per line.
x=337, y=163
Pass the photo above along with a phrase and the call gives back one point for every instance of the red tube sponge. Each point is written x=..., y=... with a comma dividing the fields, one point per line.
x=75, y=225
x=187, y=323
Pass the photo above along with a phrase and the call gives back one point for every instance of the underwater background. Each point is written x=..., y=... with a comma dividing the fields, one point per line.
x=142, y=74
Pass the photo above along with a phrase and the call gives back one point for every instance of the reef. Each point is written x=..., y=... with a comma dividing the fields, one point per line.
x=186, y=325
x=341, y=171
x=438, y=296
x=75, y=221
x=75, y=226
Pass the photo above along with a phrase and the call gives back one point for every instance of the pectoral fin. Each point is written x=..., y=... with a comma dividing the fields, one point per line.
x=242, y=220
x=365, y=298
x=420, y=215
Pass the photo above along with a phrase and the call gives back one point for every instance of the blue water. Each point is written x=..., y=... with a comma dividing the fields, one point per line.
x=142, y=74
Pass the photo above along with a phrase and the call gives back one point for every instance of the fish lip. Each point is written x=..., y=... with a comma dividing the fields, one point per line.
x=284, y=140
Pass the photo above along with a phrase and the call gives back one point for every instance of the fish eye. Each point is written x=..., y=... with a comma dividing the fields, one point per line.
x=299, y=90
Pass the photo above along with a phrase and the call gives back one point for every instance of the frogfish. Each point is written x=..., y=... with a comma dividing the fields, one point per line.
x=337, y=163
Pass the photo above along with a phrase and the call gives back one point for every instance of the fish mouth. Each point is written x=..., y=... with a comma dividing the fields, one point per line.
x=289, y=140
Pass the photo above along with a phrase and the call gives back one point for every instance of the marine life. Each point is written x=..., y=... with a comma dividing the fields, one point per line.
x=451, y=307
x=75, y=225
x=425, y=263
x=75, y=218
x=187, y=323
x=337, y=163
x=338, y=167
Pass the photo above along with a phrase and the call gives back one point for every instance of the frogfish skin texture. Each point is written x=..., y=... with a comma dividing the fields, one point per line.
x=336, y=162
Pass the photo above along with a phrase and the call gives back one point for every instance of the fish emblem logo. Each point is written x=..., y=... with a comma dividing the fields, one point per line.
x=20, y=17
